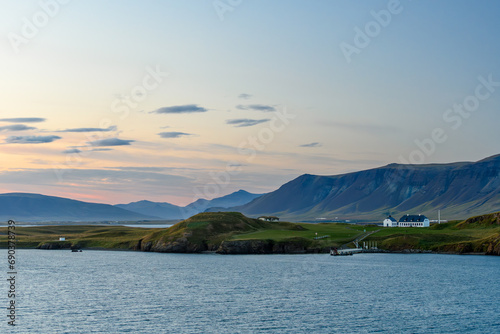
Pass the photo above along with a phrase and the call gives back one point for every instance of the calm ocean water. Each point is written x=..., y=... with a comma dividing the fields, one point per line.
x=134, y=292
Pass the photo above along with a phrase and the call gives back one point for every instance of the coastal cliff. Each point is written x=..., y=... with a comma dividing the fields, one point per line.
x=212, y=232
x=233, y=233
x=291, y=246
x=476, y=235
x=489, y=245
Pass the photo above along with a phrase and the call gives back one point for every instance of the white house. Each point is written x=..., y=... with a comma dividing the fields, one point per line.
x=390, y=222
x=269, y=218
x=407, y=221
x=414, y=221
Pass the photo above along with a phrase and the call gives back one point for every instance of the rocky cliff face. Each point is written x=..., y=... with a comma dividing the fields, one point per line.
x=184, y=245
x=490, y=245
x=292, y=246
x=493, y=246
x=178, y=245
x=213, y=232
x=55, y=245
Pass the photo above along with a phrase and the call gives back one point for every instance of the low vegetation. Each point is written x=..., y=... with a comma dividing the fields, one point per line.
x=479, y=234
x=77, y=236
x=232, y=232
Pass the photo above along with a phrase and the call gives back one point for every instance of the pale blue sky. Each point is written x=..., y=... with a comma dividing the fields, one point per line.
x=284, y=55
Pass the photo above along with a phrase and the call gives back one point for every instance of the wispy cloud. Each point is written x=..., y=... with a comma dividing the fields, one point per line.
x=110, y=142
x=173, y=134
x=315, y=144
x=360, y=126
x=188, y=108
x=16, y=127
x=257, y=107
x=111, y=128
x=245, y=96
x=31, y=139
x=71, y=151
x=101, y=149
x=243, y=122
x=76, y=150
x=23, y=120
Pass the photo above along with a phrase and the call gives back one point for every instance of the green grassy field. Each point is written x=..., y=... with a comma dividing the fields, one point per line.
x=469, y=236
x=207, y=231
x=338, y=234
x=84, y=236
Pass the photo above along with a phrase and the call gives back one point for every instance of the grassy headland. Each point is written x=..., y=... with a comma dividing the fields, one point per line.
x=479, y=234
x=233, y=233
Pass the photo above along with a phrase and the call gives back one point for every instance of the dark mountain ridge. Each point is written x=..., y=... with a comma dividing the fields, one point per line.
x=458, y=189
x=170, y=211
x=35, y=207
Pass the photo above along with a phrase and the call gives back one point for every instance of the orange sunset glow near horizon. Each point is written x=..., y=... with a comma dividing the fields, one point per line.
x=172, y=101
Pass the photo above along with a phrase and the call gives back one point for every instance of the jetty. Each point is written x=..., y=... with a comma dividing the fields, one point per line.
x=350, y=251
x=344, y=251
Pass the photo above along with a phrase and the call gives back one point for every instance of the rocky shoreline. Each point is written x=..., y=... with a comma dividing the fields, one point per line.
x=229, y=232
x=250, y=247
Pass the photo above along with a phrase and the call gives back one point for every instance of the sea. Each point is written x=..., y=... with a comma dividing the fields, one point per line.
x=59, y=291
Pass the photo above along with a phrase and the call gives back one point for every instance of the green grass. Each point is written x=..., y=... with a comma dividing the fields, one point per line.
x=338, y=233
x=209, y=230
x=87, y=236
x=472, y=235
x=197, y=224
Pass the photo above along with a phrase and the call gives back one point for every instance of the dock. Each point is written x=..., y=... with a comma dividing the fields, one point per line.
x=370, y=247
x=345, y=251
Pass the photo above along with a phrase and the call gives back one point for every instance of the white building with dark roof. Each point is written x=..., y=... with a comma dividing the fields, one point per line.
x=390, y=222
x=414, y=221
x=407, y=221
x=269, y=218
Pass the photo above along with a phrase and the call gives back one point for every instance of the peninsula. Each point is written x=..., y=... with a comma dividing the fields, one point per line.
x=234, y=233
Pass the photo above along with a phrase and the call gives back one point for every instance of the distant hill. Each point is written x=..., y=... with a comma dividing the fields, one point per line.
x=169, y=211
x=35, y=207
x=459, y=190
x=162, y=210
x=239, y=197
x=219, y=231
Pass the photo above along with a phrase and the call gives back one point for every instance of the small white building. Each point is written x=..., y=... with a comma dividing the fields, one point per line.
x=62, y=239
x=390, y=222
x=269, y=218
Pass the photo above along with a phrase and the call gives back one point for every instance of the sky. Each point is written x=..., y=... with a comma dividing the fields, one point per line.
x=171, y=101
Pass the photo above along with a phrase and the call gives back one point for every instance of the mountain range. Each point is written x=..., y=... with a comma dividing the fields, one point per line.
x=459, y=190
x=170, y=211
x=40, y=208
x=35, y=208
